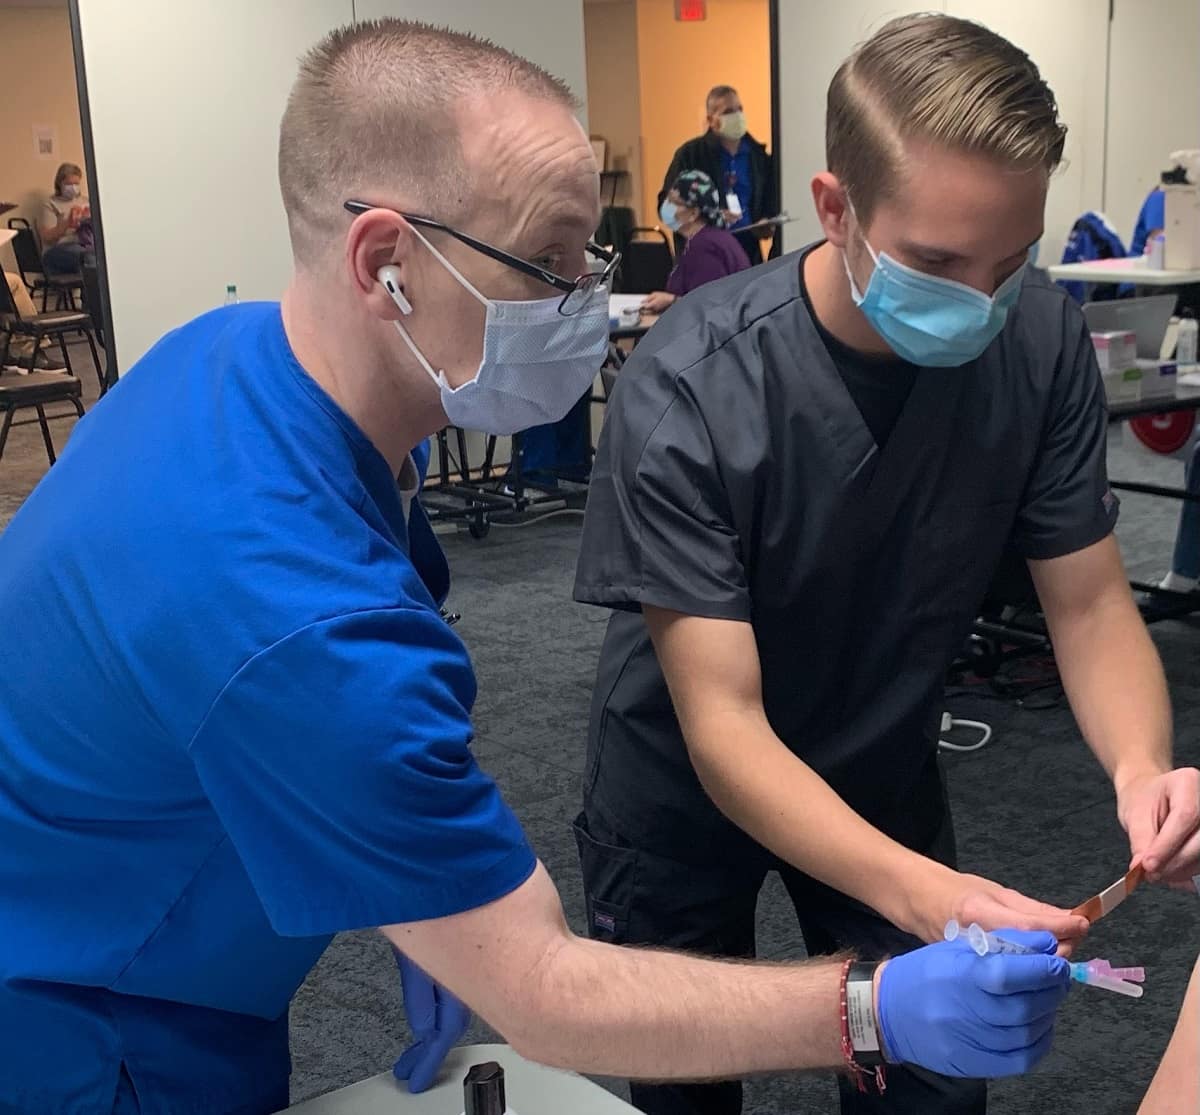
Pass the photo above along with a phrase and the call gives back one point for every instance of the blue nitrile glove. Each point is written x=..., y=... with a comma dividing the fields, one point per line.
x=437, y=1020
x=949, y=1010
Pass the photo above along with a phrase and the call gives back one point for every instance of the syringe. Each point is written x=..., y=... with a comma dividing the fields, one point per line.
x=1088, y=973
x=1104, y=968
x=984, y=942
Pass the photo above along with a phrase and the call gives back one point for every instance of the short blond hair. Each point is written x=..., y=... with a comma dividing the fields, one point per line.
x=943, y=80
x=372, y=111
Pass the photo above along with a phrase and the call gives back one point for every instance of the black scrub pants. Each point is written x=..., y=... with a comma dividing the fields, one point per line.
x=637, y=897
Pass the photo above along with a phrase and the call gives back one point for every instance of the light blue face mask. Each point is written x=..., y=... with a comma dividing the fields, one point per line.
x=668, y=213
x=928, y=321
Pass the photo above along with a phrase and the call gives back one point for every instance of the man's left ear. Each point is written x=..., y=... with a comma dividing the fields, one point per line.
x=833, y=211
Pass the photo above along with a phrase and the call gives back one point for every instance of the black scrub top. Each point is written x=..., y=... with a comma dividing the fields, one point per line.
x=735, y=478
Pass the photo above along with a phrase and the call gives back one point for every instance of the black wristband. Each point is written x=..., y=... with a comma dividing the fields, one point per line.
x=863, y=1023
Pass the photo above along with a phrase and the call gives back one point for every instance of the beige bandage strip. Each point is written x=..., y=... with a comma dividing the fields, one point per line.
x=1111, y=897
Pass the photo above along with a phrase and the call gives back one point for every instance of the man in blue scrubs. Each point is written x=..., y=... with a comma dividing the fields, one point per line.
x=232, y=721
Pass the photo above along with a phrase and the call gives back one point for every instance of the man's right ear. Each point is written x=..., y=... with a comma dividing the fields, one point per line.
x=389, y=278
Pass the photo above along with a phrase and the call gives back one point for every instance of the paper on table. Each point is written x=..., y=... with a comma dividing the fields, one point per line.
x=619, y=302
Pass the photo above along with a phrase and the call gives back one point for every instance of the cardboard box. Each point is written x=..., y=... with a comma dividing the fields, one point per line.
x=1115, y=351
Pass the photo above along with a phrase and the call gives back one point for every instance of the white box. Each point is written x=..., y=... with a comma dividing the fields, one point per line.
x=1181, y=207
x=1116, y=351
x=1123, y=387
x=1158, y=378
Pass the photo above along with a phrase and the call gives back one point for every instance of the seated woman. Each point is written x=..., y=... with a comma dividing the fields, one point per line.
x=692, y=208
x=65, y=223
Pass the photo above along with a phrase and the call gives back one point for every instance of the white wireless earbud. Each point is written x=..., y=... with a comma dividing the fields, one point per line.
x=389, y=277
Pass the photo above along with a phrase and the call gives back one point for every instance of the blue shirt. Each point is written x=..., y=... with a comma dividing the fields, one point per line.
x=735, y=176
x=232, y=723
x=1151, y=216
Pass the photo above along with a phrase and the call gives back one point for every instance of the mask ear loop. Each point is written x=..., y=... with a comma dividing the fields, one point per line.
x=438, y=377
x=856, y=292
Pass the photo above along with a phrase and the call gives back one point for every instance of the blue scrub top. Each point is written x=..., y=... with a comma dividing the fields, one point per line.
x=1151, y=216
x=232, y=723
x=735, y=176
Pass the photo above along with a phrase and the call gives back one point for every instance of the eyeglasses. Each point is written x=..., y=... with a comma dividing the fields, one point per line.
x=576, y=292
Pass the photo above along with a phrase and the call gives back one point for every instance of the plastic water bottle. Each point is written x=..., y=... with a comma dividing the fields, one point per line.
x=1185, y=346
x=231, y=295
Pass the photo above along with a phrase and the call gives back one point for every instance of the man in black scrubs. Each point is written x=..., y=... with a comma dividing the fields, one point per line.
x=807, y=476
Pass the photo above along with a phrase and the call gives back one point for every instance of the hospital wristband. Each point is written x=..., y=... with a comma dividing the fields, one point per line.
x=861, y=1046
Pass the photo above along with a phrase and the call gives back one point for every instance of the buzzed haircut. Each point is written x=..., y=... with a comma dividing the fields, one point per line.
x=372, y=115
x=717, y=93
x=941, y=79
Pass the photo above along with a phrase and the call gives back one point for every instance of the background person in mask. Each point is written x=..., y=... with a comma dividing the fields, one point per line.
x=800, y=494
x=64, y=216
x=692, y=208
x=737, y=162
x=268, y=734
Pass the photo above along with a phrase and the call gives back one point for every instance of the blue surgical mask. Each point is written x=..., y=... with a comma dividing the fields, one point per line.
x=668, y=213
x=929, y=321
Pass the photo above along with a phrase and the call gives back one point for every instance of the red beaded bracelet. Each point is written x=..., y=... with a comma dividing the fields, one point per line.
x=860, y=1074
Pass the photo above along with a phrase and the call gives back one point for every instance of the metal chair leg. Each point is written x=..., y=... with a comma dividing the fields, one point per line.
x=62, y=344
x=101, y=375
x=8, y=420
x=41, y=413
x=77, y=405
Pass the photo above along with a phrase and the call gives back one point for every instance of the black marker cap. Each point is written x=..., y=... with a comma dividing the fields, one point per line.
x=483, y=1088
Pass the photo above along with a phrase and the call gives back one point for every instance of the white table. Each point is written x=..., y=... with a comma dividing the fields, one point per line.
x=1121, y=271
x=529, y=1090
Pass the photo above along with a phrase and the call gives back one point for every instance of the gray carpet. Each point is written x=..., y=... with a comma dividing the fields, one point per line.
x=1032, y=811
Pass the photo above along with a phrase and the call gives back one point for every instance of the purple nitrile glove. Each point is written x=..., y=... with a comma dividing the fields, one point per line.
x=437, y=1020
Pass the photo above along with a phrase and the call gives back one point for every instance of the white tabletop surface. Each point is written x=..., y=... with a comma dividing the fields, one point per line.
x=7, y=234
x=1121, y=271
x=529, y=1090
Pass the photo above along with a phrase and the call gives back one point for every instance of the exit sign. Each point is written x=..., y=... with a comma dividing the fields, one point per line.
x=691, y=11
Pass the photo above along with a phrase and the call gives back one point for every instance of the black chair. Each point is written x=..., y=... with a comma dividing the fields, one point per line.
x=53, y=325
x=93, y=299
x=646, y=262
x=33, y=273
x=37, y=391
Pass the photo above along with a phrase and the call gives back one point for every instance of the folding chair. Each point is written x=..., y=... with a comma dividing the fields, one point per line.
x=52, y=325
x=33, y=271
x=646, y=262
x=37, y=391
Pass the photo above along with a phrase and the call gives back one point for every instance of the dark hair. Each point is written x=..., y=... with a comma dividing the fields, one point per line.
x=718, y=93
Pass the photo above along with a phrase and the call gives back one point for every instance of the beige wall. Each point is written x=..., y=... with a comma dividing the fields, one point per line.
x=38, y=70
x=613, y=96
x=679, y=62
x=1153, y=99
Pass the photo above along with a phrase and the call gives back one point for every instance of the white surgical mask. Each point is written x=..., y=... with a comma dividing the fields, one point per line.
x=733, y=125
x=536, y=364
x=71, y=190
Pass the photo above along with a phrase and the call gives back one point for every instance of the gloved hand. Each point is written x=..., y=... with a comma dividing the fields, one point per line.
x=949, y=1010
x=437, y=1020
